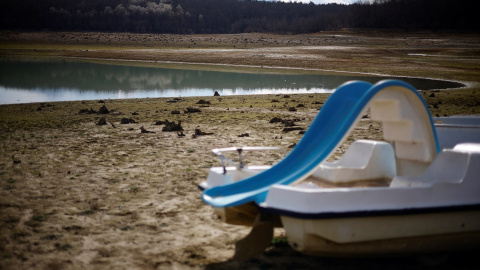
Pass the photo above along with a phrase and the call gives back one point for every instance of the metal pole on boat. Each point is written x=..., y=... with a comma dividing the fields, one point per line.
x=239, y=150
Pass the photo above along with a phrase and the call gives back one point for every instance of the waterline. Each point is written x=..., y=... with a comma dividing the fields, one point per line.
x=44, y=80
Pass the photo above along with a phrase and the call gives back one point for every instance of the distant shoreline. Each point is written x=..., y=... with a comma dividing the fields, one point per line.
x=448, y=57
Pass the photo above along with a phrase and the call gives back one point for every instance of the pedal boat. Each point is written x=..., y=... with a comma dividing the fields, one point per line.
x=414, y=192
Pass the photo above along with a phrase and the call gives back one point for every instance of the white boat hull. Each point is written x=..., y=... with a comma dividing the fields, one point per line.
x=387, y=235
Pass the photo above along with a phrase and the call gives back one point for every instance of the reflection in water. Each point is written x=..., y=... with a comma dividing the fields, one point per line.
x=58, y=80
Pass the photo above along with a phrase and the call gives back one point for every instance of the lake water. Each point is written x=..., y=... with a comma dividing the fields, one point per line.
x=43, y=80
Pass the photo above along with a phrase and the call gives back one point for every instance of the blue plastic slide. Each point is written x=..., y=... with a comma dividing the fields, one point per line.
x=332, y=124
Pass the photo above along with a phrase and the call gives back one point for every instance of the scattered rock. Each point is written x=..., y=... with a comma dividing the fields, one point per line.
x=293, y=145
x=103, y=110
x=127, y=121
x=432, y=95
x=275, y=100
x=276, y=120
x=292, y=109
x=216, y=94
x=180, y=134
x=300, y=106
x=286, y=96
x=101, y=101
x=102, y=121
x=172, y=126
x=287, y=123
x=244, y=135
x=134, y=113
x=204, y=102
x=192, y=110
x=175, y=112
x=87, y=111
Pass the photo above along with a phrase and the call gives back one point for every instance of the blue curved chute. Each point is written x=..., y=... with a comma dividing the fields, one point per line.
x=327, y=131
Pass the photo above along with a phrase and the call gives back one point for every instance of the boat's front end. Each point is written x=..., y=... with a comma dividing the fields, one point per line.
x=244, y=214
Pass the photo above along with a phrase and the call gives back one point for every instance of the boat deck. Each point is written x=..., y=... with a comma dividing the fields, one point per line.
x=317, y=182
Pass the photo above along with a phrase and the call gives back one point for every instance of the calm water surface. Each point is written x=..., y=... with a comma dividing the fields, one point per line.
x=41, y=80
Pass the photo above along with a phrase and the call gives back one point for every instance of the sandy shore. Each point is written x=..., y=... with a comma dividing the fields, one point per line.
x=76, y=195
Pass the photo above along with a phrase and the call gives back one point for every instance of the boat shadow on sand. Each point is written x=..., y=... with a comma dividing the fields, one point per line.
x=284, y=257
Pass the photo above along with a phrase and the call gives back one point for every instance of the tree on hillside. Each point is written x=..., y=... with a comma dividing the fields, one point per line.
x=234, y=16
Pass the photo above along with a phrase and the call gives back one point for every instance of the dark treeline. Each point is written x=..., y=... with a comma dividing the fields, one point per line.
x=234, y=16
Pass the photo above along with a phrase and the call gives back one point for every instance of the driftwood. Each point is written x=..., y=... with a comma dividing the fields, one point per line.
x=143, y=130
x=198, y=132
x=288, y=129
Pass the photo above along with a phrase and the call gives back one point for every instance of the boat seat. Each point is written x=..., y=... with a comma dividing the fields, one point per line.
x=363, y=160
x=450, y=166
